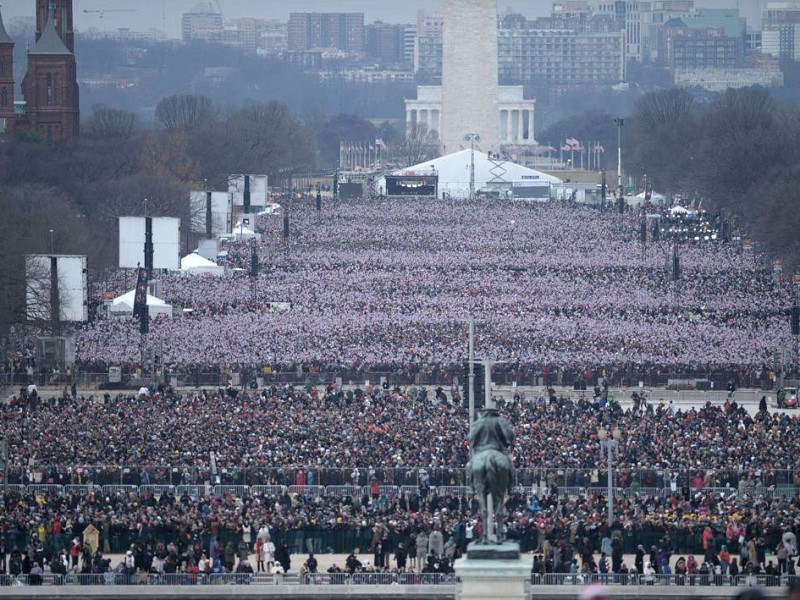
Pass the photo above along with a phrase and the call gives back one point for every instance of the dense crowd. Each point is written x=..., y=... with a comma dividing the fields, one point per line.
x=393, y=282
x=65, y=440
x=321, y=428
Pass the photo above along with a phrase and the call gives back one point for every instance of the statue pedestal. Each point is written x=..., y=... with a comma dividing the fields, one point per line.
x=493, y=572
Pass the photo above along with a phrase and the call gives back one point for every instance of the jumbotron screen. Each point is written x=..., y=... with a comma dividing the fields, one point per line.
x=412, y=185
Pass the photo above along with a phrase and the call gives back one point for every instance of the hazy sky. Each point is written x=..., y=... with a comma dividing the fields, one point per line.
x=152, y=13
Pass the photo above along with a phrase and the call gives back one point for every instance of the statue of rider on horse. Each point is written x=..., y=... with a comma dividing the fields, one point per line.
x=490, y=471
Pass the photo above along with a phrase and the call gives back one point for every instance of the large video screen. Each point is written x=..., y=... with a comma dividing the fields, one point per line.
x=412, y=185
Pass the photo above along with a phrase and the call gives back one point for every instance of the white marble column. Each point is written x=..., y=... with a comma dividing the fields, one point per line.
x=531, y=136
x=520, y=128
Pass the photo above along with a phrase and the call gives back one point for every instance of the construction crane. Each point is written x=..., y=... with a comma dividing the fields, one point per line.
x=103, y=11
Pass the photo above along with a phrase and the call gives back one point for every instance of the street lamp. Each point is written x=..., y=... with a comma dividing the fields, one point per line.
x=610, y=444
x=619, y=123
x=472, y=138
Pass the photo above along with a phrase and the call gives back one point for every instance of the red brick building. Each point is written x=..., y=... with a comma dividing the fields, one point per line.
x=50, y=107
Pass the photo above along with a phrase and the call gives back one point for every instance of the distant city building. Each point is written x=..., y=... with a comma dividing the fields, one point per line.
x=703, y=49
x=273, y=38
x=719, y=80
x=385, y=42
x=561, y=56
x=202, y=23
x=632, y=17
x=343, y=31
x=428, y=46
x=780, y=24
x=152, y=36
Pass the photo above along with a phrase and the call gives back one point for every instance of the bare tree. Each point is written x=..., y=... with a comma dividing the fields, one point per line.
x=185, y=112
x=419, y=145
x=662, y=108
x=108, y=123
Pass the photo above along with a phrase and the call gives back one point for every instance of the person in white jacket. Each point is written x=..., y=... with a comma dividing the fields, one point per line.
x=649, y=574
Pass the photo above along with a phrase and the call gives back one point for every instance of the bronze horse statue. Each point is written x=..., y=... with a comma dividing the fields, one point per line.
x=490, y=471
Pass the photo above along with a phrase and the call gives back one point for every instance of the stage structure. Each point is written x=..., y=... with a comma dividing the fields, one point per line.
x=423, y=186
x=165, y=240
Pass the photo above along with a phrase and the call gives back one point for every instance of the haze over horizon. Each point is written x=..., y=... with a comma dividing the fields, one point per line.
x=166, y=14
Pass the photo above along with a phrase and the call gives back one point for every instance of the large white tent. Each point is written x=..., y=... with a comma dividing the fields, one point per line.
x=454, y=169
x=194, y=264
x=155, y=306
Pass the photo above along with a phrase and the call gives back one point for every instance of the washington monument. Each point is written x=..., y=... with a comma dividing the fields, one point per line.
x=469, y=75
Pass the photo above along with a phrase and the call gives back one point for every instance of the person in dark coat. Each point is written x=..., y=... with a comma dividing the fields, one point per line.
x=400, y=557
x=282, y=557
x=638, y=562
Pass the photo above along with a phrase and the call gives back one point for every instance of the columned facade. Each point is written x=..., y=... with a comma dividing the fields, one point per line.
x=514, y=122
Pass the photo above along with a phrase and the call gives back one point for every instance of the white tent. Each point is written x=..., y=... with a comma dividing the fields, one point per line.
x=124, y=304
x=454, y=173
x=243, y=232
x=194, y=264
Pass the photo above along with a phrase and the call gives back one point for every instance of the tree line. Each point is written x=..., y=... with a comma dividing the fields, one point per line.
x=737, y=153
x=79, y=187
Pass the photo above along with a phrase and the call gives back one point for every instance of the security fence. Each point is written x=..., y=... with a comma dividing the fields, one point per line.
x=132, y=378
x=627, y=481
x=113, y=578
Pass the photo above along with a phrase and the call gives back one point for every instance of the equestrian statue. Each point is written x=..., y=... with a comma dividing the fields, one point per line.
x=490, y=471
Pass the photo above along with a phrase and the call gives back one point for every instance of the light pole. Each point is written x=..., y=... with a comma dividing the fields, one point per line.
x=610, y=444
x=472, y=138
x=619, y=123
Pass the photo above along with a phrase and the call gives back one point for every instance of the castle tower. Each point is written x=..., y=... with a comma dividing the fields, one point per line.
x=6, y=81
x=63, y=20
x=50, y=88
x=470, y=75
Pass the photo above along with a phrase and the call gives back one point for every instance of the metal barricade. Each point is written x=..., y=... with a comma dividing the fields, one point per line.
x=46, y=579
x=81, y=489
x=231, y=579
x=237, y=490
x=172, y=579
x=340, y=491
x=313, y=490
x=157, y=490
x=406, y=579
x=45, y=489
x=453, y=490
x=642, y=491
x=269, y=490
x=572, y=491
x=120, y=489
x=194, y=491
x=385, y=490
x=16, y=487
x=410, y=489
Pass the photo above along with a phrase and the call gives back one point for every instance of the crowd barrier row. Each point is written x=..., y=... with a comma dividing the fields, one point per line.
x=704, y=580
x=390, y=491
x=213, y=379
x=633, y=479
x=112, y=578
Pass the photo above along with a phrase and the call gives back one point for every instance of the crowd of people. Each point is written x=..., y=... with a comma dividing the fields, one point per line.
x=372, y=433
x=393, y=282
